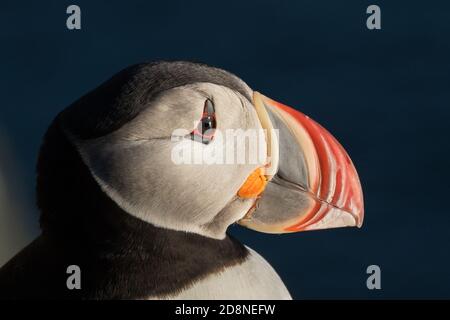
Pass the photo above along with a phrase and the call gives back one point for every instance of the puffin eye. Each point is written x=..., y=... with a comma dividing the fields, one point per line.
x=206, y=127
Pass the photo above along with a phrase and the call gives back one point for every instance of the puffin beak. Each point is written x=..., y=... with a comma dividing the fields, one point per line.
x=311, y=181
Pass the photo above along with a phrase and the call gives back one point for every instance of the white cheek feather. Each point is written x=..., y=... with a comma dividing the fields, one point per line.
x=253, y=279
x=209, y=218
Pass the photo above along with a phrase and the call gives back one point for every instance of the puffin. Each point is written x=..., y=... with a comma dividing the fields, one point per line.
x=123, y=198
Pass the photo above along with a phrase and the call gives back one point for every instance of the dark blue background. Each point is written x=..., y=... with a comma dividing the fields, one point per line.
x=384, y=94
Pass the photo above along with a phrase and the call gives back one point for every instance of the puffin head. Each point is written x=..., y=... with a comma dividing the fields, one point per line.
x=171, y=143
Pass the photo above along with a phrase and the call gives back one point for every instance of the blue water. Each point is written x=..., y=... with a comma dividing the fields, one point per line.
x=384, y=94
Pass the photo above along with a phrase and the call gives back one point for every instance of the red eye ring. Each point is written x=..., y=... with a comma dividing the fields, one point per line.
x=206, y=127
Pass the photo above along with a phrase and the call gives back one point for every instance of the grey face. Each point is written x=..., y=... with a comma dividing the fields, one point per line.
x=123, y=131
x=134, y=166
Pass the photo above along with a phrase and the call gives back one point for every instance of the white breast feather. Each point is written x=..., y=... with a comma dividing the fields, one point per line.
x=253, y=279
